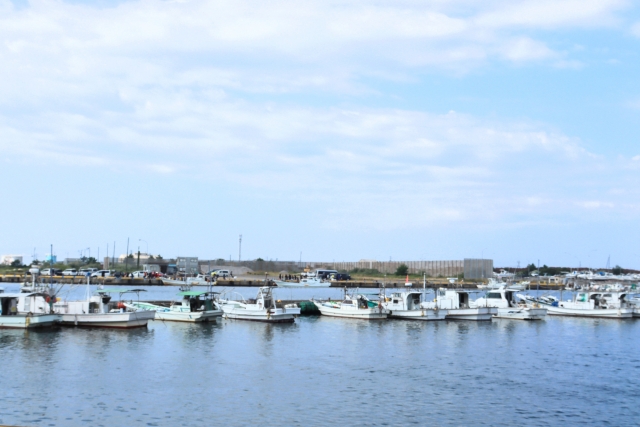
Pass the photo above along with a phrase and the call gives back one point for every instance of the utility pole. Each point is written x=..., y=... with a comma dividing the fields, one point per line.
x=126, y=262
x=240, y=249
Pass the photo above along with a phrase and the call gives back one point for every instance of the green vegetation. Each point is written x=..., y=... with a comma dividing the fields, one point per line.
x=402, y=270
x=616, y=270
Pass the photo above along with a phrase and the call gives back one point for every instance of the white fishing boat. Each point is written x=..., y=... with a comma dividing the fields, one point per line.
x=173, y=282
x=191, y=306
x=357, y=306
x=492, y=284
x=30, y=309
x=263, y=310
x=98, y=310
x=507, y=305
x=26, y=310
x=409, y=305
x=458, y=306
x=612, y=305
x=309, y=281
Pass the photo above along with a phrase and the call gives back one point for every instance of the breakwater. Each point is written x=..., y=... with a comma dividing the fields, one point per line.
x=251, y=283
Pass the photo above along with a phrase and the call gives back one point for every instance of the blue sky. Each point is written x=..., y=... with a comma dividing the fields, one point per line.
x=342, y=130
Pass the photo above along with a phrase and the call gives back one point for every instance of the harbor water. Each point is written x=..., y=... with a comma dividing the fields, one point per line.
x=321, y=371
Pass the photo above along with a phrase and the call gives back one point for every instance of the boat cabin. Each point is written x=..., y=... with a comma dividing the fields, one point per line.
x=35, y=303
x=264, y=299
x=195, y=301
x=498, y=298
x=404, y=301
x=99, y=302
x=452, y=299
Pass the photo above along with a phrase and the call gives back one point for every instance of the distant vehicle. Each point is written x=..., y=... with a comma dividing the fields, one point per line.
x=342, y=276
x=220, y=273
x=138, y=274
x=70, y=272
x=325, y=274
x=102, y=273
x=50, y=272
x=85, y=271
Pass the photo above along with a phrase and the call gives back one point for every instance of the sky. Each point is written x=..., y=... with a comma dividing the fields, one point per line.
x=323, y=130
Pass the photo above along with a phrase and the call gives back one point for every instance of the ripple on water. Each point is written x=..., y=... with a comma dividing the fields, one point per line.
x=325, y=371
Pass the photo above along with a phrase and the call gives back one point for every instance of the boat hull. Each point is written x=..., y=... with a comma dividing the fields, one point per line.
x=268, y=316
x=23, y=321
x=171, y=282
x=424, y=314
x=521, y=313
x=262, y=317
x=478, y=314
x=611, y=313
x=365, y=314
x=193, y=316
x=126, y=320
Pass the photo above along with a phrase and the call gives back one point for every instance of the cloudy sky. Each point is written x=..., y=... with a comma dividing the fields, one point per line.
x=341, y=130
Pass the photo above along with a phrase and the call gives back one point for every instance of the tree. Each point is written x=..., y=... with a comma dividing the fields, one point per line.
x=90, y=260
x=531, y=267
x=158, y=256
x=616, y=270
x=16, y=263
x=259, y=260
x=402, y=270
x=151, y=257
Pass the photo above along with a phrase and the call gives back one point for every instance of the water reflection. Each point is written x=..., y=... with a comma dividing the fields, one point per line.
x=322, y=370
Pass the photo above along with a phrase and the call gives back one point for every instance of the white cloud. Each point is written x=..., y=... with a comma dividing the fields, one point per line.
x=170, y=88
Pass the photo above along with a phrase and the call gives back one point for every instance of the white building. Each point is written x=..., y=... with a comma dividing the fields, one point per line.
x=8, y=259
x=144, y=258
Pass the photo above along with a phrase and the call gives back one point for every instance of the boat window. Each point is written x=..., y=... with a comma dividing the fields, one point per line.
x=607, y=295
x=582, y=298
x=347, y=302
x=396, y=301
x=441, y=293
x=494, y=295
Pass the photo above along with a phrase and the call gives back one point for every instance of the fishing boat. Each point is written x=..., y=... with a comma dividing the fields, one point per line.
x=507, y=305
x=173, y=282
x=311, y=282
x=191, y=306
x=26, y=310
x=458, y=306
x=199, y=280
x=30, y=309
x=357, y=306
x=409, y=305
x=597, y=304
x=491, y=284
x=99, y=311
x=263, y=310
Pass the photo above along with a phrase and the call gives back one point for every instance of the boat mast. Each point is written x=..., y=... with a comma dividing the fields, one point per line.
x=88, y=288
